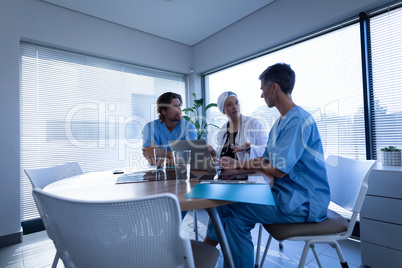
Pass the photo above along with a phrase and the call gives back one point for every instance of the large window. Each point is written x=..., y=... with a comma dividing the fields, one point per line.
x=386, y=53
x=80, y=108
x=328, y=85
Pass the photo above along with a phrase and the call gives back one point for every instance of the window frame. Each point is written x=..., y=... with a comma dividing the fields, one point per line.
x=367, y=75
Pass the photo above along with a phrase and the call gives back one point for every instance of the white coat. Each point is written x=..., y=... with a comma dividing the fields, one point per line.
x=251, y=130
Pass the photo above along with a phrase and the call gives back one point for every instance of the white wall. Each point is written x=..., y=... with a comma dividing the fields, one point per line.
x=279, y=22
x=47, y=24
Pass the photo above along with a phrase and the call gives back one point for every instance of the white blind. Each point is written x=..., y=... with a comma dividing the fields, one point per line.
x=386, y=45
x=328, y=85
x=80, y=108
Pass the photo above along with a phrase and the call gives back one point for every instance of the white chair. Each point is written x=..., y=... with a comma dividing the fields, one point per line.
x=41, y=177
x=144, y=232
x=348, y=186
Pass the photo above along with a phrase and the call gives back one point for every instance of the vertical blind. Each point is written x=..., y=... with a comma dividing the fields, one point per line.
x=386, y=51
x=80, y=108
x=328, y=85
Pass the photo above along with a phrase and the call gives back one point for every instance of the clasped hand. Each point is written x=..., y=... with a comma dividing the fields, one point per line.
x=244, y=147
x=255, y=163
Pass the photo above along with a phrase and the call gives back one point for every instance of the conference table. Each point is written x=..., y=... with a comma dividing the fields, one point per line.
x=102, y=186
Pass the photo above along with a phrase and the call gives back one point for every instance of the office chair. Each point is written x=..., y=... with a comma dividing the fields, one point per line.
x=41, y=177
x=348, y=186
x=143, y=232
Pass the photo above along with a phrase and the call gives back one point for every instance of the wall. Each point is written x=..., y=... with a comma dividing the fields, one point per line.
x=44, y=23
x=275, y=24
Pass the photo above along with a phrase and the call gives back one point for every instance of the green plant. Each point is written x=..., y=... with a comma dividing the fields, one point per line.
x=390, y=149
x=198, y=118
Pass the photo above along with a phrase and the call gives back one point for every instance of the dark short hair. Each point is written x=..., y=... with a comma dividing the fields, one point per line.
x=279, y=73
x=164, y=101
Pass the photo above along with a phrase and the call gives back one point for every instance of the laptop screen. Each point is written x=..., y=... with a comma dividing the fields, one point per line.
x=200, y=157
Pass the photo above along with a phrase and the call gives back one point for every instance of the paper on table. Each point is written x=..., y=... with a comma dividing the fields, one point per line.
x=246, y=193
x=148, y=175
x=249, y=180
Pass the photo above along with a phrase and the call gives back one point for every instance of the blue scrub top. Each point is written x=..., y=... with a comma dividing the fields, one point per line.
x=294, y=147
x=160, y=134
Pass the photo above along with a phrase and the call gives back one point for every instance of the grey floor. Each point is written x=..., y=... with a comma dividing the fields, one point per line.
x=38, y=251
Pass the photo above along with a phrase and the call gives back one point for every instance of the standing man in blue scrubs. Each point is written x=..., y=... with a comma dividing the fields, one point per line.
x=293, y=157
x=168, y=127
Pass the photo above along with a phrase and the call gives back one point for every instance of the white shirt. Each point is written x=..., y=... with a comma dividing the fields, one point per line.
x=251, y=130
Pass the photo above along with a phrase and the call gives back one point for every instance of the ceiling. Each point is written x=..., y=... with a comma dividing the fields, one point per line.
x=183, y=21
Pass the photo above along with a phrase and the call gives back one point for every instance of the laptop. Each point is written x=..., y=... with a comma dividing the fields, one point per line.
x=200, y=157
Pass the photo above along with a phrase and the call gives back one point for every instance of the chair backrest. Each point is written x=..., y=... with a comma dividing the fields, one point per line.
x=348, y=181
x=142, y=232
x=41, y=177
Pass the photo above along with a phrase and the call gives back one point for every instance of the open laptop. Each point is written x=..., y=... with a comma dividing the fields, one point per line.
x=200, y=157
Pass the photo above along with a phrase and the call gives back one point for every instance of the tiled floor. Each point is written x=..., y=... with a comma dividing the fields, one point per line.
x=38, y=251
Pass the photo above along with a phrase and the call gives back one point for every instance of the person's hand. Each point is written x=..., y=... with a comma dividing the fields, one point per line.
x=211, y=150
x=245, y=147
x=148, y=153
x=258, y=162
x=228, y=162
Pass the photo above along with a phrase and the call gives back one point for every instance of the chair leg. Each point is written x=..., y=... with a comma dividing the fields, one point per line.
x=257, y=255
x=344, y=265
x=304, y=254
x=55, y=260
x=315, y=255
x=266, y=251
x=336, y=245
x=195, y=224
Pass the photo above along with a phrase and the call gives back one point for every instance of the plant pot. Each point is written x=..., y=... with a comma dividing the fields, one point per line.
x=391, y=158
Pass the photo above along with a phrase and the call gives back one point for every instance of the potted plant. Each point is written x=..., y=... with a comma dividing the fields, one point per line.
x=391, y=156
x=198, y=118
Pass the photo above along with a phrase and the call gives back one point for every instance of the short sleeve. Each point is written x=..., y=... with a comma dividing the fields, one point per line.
x=289, y=145
x=191, y=132
x=146, y=135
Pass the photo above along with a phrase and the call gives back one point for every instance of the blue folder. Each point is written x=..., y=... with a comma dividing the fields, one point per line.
x=246, y=193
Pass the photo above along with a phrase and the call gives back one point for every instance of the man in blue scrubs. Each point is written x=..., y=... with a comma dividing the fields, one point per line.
x=168, y=127
x=293, y=157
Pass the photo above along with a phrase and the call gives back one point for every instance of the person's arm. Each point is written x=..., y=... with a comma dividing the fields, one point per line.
x=191, y=131
x=254, y=138
x=258, y=163
x=211, y=151
x=230, y=163
x=148, y=153
x=243, y=148
x=265, y=166
x=258, y=137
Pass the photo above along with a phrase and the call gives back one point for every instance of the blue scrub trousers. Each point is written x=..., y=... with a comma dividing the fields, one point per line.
x=238, y=219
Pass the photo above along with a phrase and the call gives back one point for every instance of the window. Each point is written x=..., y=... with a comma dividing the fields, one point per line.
x=80, y=108
x=328, y=85
x=386, y=53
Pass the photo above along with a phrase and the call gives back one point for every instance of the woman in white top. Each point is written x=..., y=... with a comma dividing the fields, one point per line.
x=242, y=137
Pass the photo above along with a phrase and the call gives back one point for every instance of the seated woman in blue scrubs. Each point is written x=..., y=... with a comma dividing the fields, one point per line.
x=293, y=157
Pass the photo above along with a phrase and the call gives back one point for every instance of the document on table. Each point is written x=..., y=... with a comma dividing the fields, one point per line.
x=241, y=179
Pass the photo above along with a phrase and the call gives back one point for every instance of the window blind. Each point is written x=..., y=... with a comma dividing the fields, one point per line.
x=81, y=108
x=328, y=85
x=386, y=51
